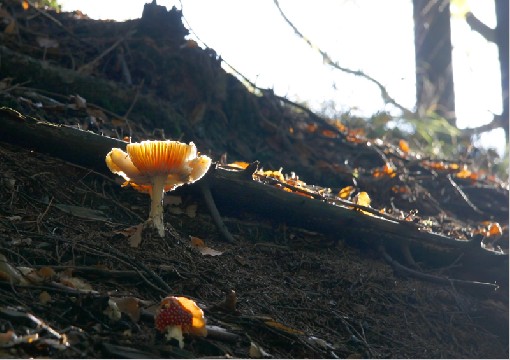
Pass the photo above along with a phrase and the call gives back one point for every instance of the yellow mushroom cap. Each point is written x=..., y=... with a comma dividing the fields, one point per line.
x=161, y=157
x=147, y=159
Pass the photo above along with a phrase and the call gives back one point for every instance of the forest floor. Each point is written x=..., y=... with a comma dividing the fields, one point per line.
x=73, y=250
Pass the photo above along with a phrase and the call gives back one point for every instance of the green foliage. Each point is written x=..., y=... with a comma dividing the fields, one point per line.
x=501, y=166
x=45, y=4
x=436, y=135
x=433, y=136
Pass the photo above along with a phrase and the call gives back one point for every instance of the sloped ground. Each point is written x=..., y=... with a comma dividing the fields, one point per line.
x=299, y=293
x=292, y=286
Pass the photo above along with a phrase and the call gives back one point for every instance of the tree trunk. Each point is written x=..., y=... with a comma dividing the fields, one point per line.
x=433, y=51
x=502, y=42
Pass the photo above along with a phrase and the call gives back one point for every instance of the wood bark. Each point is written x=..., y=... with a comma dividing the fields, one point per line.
x=237, y=191
x=433, y=53
x=502, y=10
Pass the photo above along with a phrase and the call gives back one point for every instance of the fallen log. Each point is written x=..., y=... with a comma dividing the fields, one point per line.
x=233, y=189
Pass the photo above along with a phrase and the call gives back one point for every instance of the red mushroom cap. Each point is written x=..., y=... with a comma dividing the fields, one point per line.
x=181, y=311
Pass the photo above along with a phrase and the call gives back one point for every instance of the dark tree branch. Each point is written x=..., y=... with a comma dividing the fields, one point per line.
x=435, y=279
x=215, y=214
x=497, y=122
x=476, y=25
x=327, y=59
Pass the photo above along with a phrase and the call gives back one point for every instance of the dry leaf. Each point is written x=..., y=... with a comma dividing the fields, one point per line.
x=80, y=102
x=276, y=325
x=230, y=302
x=130, y=306
x=67, y=272
x=362, y=199
x=14, y=218
x=6, y=83
x=9, y=272
x=30, y=275
x=7, y=338
x=209, y=251
x=46, y=272
x=117, y=122
x=175, y=210
x=190, y=44
x=495, y=229
x=346, y=192
x=256, y=352
x=4, y=276
x=404, y=146
x=199, y=244
x=191, y=210
x=46, y=42
x=134, y=234
x=239, y=164
x=98, y=114
x=329, y=134
x=386, y=170
x=172, y=200
x=198, y=113
x=44, y=297
x=136, y=237
x=11, y=28
x=312, y=127
x=75, y=283
x=464, y=173
x=112, y=311
x=272, y=174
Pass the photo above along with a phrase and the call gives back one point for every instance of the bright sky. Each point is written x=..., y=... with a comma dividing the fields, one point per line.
x=373, y=36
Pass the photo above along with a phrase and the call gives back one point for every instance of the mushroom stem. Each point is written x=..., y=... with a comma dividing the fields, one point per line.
x=175, y=332
x=157, y=194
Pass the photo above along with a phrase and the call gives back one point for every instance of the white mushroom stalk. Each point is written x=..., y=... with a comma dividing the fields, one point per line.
x=157, y=195
x=156, y=167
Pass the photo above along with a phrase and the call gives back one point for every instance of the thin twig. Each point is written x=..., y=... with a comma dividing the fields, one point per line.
x=43, y=214
x=66, y=97
x=266, y=91
x=13, y=87
x=125, y=260
x=89, y=65
x=135, y=99
x=138, y=266
x=497, y=122
x=463, y=195
x=57, y=22
x=211, y=205
x=432, y=278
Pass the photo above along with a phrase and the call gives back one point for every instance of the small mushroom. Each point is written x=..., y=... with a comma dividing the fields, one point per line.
x=178, y=315
x=156, y=167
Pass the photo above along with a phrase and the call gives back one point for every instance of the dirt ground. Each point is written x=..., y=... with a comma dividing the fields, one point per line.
x=280, y=289
x=299, y=294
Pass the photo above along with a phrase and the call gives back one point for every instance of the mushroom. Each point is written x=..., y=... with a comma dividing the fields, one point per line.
x=178, y=315
x=156, y=167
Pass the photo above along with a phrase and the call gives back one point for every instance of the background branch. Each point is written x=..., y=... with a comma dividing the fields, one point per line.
x=327, y=59
x=476, y=25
